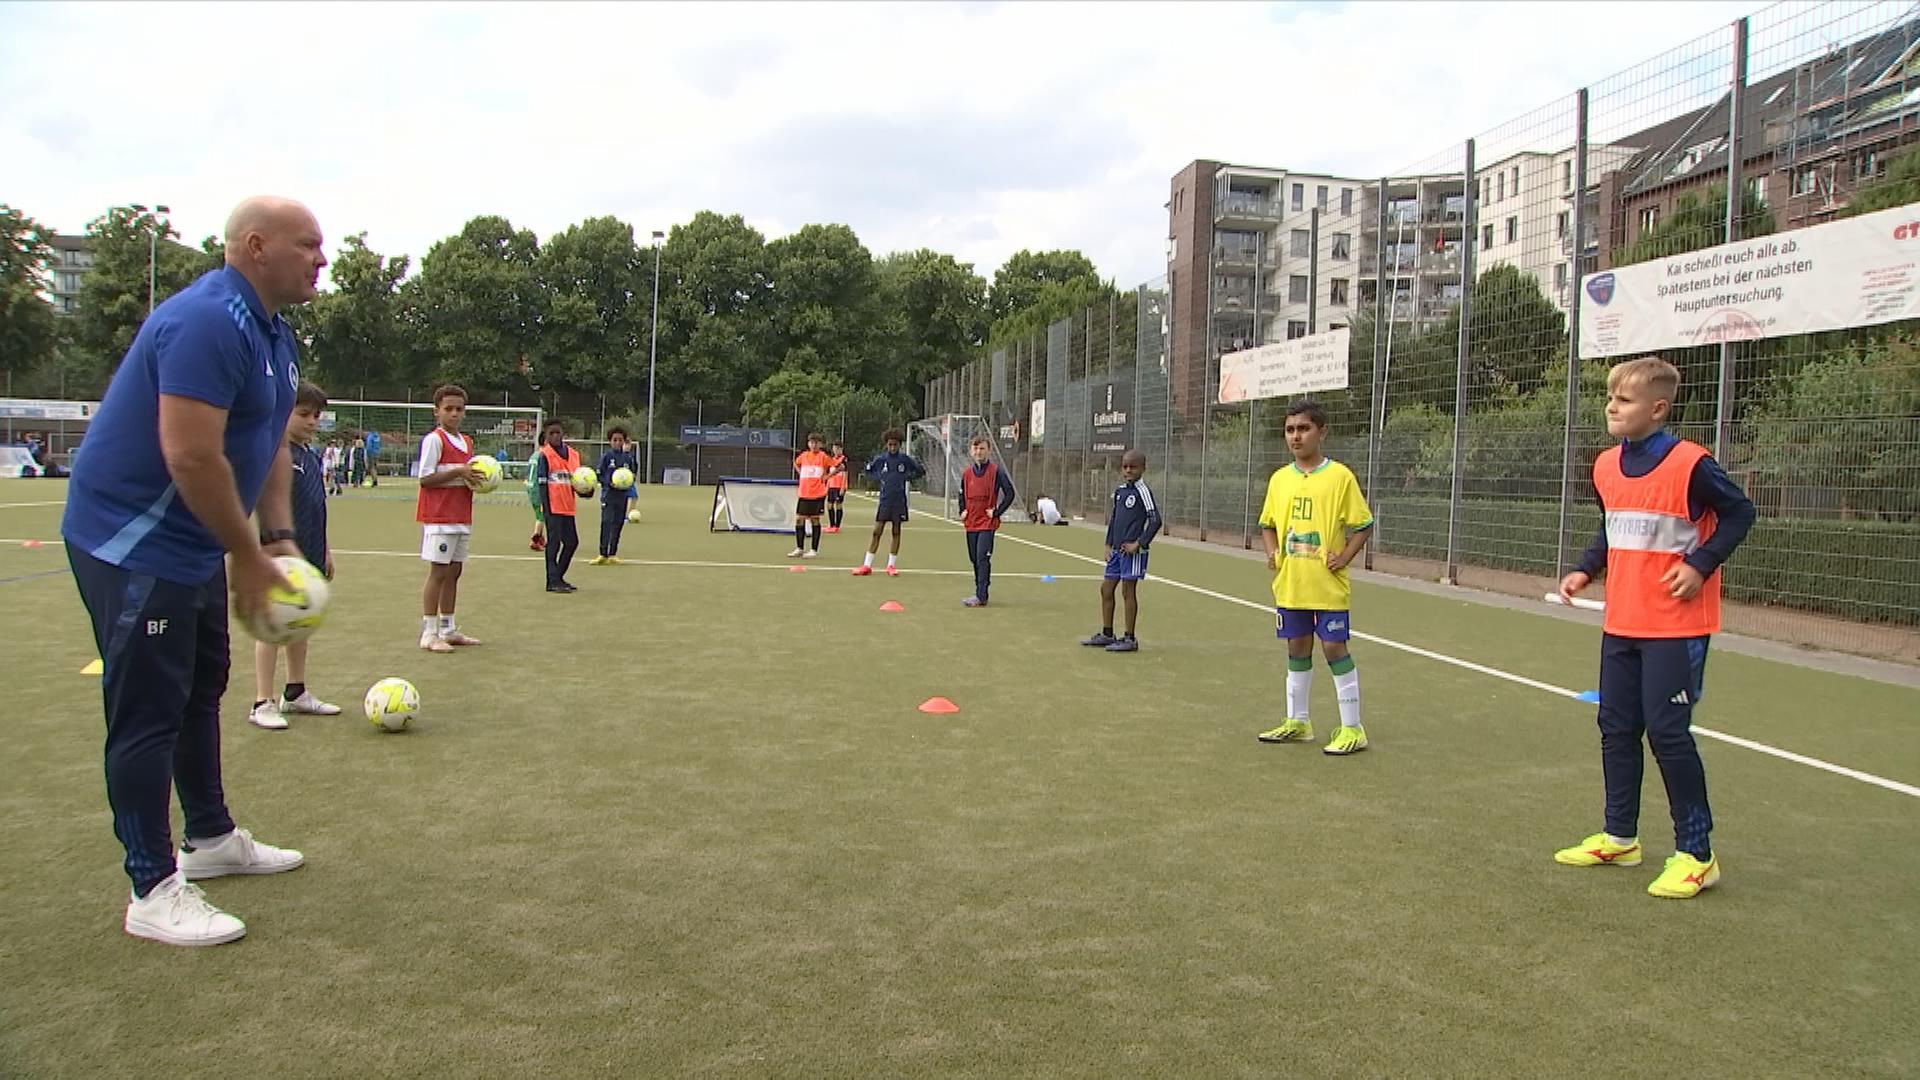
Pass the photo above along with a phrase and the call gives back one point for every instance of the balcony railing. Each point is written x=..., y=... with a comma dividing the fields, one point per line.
x=1440, y=262
x=1592, y=242
x=1243, y=257
x=1233, y=299
x=1247, y=207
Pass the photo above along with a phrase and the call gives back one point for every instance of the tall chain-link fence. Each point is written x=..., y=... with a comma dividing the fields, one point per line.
x=1458, y=279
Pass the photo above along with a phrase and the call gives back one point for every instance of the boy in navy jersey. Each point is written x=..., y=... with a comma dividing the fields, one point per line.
x=1132, y=523
x=310, y=483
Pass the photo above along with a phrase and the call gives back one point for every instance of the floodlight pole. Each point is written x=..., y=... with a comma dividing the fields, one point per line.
x=653, y=348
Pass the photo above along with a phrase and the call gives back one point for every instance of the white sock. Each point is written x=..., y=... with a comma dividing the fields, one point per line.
x=868, y=561
x=1299, y=692
x=1623, y=841
x=1347, y=688
x=429, y=624
x=446, y=624
x=890, y=559
x=208, y=841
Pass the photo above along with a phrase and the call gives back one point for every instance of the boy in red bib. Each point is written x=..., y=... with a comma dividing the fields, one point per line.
x=445, y=513
x=1672, y=518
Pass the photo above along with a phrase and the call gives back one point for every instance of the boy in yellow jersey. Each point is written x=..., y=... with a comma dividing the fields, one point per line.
x=1314, y=522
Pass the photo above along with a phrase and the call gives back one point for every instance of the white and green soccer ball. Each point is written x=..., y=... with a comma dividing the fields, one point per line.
x=633, y=516
x=292, y=615
x=585, y=480
x=486, y=473
x=392, y=704
x=622, y=478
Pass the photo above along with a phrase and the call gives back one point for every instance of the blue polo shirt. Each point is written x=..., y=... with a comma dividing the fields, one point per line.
x=212, y=342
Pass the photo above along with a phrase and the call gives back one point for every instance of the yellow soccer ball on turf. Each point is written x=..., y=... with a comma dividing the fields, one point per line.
x=367, y=483
x=633, y=516
x=486, y=473
x=622, y=478
x=585, y=481
x=392, y=704
x=292, y=615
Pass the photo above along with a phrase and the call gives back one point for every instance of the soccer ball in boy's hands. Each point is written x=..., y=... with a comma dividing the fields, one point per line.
x=392, y=703
x=290, y=616
x=585, y=481
x=633, y=516
x=486, y=473
x=622, y=478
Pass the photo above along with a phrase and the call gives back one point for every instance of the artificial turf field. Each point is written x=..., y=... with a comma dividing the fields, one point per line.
x=689, y=822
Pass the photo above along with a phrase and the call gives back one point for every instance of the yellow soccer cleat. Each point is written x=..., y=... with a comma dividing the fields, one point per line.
x=1685, y=876
x=1347, y=740
x=1600, y=850
x=1291, y=731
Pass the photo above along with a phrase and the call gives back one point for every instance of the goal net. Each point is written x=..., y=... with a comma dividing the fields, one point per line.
x=742, y=504
x=509, y=433
x=942, y=444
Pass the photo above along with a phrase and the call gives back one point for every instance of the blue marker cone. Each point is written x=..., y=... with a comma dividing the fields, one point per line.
x=1591, y=697
x=1045, y=578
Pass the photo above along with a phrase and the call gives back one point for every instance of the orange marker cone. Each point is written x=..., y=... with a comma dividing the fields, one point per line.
x=892, y=605
x=30, y=543
x=938, y=705
x=796, y=569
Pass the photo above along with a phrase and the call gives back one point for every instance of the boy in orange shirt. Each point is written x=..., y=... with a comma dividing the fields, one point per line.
x=811, y=465
x=836, y=486
x=1672, y=518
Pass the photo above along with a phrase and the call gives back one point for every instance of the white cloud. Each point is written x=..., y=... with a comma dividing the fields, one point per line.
x=978, y=129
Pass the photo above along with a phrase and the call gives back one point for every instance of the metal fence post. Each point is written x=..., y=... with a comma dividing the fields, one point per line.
x=1259, y=339
x=699, y=420
x=1313, y=271
x=1454, y=499
x=1736, y=149
x=1573, y=333
x=1376, y=389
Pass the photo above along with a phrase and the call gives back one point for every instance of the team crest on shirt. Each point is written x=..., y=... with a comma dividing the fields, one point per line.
x=1129, y=502
x=293, y=375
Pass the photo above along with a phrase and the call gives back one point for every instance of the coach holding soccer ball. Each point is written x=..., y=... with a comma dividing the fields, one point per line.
x=189, y=440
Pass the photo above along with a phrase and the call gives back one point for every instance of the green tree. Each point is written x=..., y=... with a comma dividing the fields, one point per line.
x=29, y=328
x=940, y=317
x=714, y=286
x=354, y=333
x=114, y=293
x=792, y=392
x=1899, y=187
x=1697, y=223
x=825, y=311
x=476, y=306
x=597, y=290
x=1865, y=400
x=1517, y=332
x=1021, y=280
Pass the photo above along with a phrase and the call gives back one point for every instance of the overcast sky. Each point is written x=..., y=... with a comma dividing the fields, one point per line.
x=975, y=129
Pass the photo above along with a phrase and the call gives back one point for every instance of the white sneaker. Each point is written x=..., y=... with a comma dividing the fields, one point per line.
x=267, y=715
x=796, y=552
x=239, y=853
x=176, y=912
x=456, y=638
x=430, y=641
x=811, y=555
x=308, y=704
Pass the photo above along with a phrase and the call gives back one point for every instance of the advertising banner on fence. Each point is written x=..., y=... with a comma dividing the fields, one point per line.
x=728, y=435
x=1112, y=416
x=1858, y=272
x=40, y=409
x=1037, y=422
x=1314, y=362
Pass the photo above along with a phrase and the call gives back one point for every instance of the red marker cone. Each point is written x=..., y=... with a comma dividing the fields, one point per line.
x=796, y=569
x=30, y=543
x=938, y=705
x=892, y=605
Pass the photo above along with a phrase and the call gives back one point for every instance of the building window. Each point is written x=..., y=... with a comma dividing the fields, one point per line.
x=1516, y=181
x=1342, y=245
x=1320, y=196
x=1302, y=243
x=1346, y=202
x=1486, y=187
x=1173, y=248
x=1499, y=187
x=1297, y=289
x=1296, y=329
x=1869, y=166
x=1299, y=196
x=1560, y=277
x=1513, y=230
x=1757, y=190
x=1560, y=224
x=1486, y=237
x=1649, y=218
x=1337, y=292
x=1566, y=175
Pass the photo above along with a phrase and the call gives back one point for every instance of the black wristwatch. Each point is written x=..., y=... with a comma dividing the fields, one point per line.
x=274, y=536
